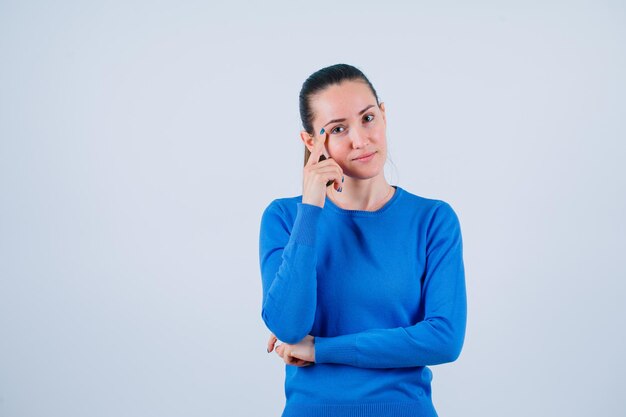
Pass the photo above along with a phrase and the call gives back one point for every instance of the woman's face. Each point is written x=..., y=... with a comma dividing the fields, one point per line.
x=356, y=126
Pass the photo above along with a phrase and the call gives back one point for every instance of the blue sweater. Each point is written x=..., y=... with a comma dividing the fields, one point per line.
x=383, y=293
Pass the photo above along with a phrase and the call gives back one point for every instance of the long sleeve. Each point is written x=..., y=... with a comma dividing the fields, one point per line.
x=439, y=337
x=288, y=268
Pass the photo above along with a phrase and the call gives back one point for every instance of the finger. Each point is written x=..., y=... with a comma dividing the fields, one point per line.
x=270, y=343
x=318, y=149
x=289, y=360
x=301, y=362
x=328, y=162
x=316, y=155
x=332, y=173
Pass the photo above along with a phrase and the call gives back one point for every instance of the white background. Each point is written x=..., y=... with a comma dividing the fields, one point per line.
x=140, y=142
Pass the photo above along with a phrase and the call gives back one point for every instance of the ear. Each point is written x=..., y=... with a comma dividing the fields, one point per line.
x=307, y=139
x=382, y=109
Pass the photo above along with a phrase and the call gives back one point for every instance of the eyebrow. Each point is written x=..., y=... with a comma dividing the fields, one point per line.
x=343, y=120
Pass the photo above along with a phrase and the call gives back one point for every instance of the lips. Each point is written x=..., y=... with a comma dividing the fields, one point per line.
x=365, y=155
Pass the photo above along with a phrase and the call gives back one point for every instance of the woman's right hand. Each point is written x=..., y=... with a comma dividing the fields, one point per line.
x=317, y=174
x=290, y=360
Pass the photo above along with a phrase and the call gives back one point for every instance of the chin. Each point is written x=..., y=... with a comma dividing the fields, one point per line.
x=365, y=174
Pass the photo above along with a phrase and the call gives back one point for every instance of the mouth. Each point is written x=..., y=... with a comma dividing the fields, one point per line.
x=364, y=156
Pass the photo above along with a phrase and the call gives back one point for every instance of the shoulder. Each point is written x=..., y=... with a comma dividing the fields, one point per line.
x=282, y=210
x=439, y=221
x=431, y=207
x=283, y=204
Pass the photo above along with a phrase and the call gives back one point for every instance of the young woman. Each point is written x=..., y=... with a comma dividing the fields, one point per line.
x=363, y=282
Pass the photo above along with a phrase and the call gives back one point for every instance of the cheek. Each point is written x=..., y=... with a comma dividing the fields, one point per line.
x=381, y=136
x=380, y=130
x=338, y=151
x=343, y=158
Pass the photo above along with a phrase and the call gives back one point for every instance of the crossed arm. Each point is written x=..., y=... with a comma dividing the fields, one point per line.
x=289, y=310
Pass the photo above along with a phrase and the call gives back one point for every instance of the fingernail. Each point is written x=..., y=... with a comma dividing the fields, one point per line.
x=322, y=131
x=268, y=350
x=342, y=178
x=340, y=189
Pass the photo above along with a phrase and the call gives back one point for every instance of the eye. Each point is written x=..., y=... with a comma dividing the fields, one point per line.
x=364, y=118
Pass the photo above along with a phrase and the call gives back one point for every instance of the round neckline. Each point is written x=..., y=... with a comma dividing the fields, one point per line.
x=380, y=210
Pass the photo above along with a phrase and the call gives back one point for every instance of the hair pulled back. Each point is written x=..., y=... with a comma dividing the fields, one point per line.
x=318, y=81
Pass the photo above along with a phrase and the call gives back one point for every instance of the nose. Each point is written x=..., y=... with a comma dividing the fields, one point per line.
x=359, y=137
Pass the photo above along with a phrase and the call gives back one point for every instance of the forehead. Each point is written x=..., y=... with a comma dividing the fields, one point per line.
x=342, y=100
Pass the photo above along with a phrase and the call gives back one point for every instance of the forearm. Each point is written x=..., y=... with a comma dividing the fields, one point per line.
x=290, y=279
x=290, y=302
x=438, y=337
x=427, y=343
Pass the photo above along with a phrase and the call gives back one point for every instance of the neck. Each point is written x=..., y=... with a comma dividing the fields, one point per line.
x=365, y=195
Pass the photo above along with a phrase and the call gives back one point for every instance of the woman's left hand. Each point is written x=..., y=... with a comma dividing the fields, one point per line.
x=300, y=354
